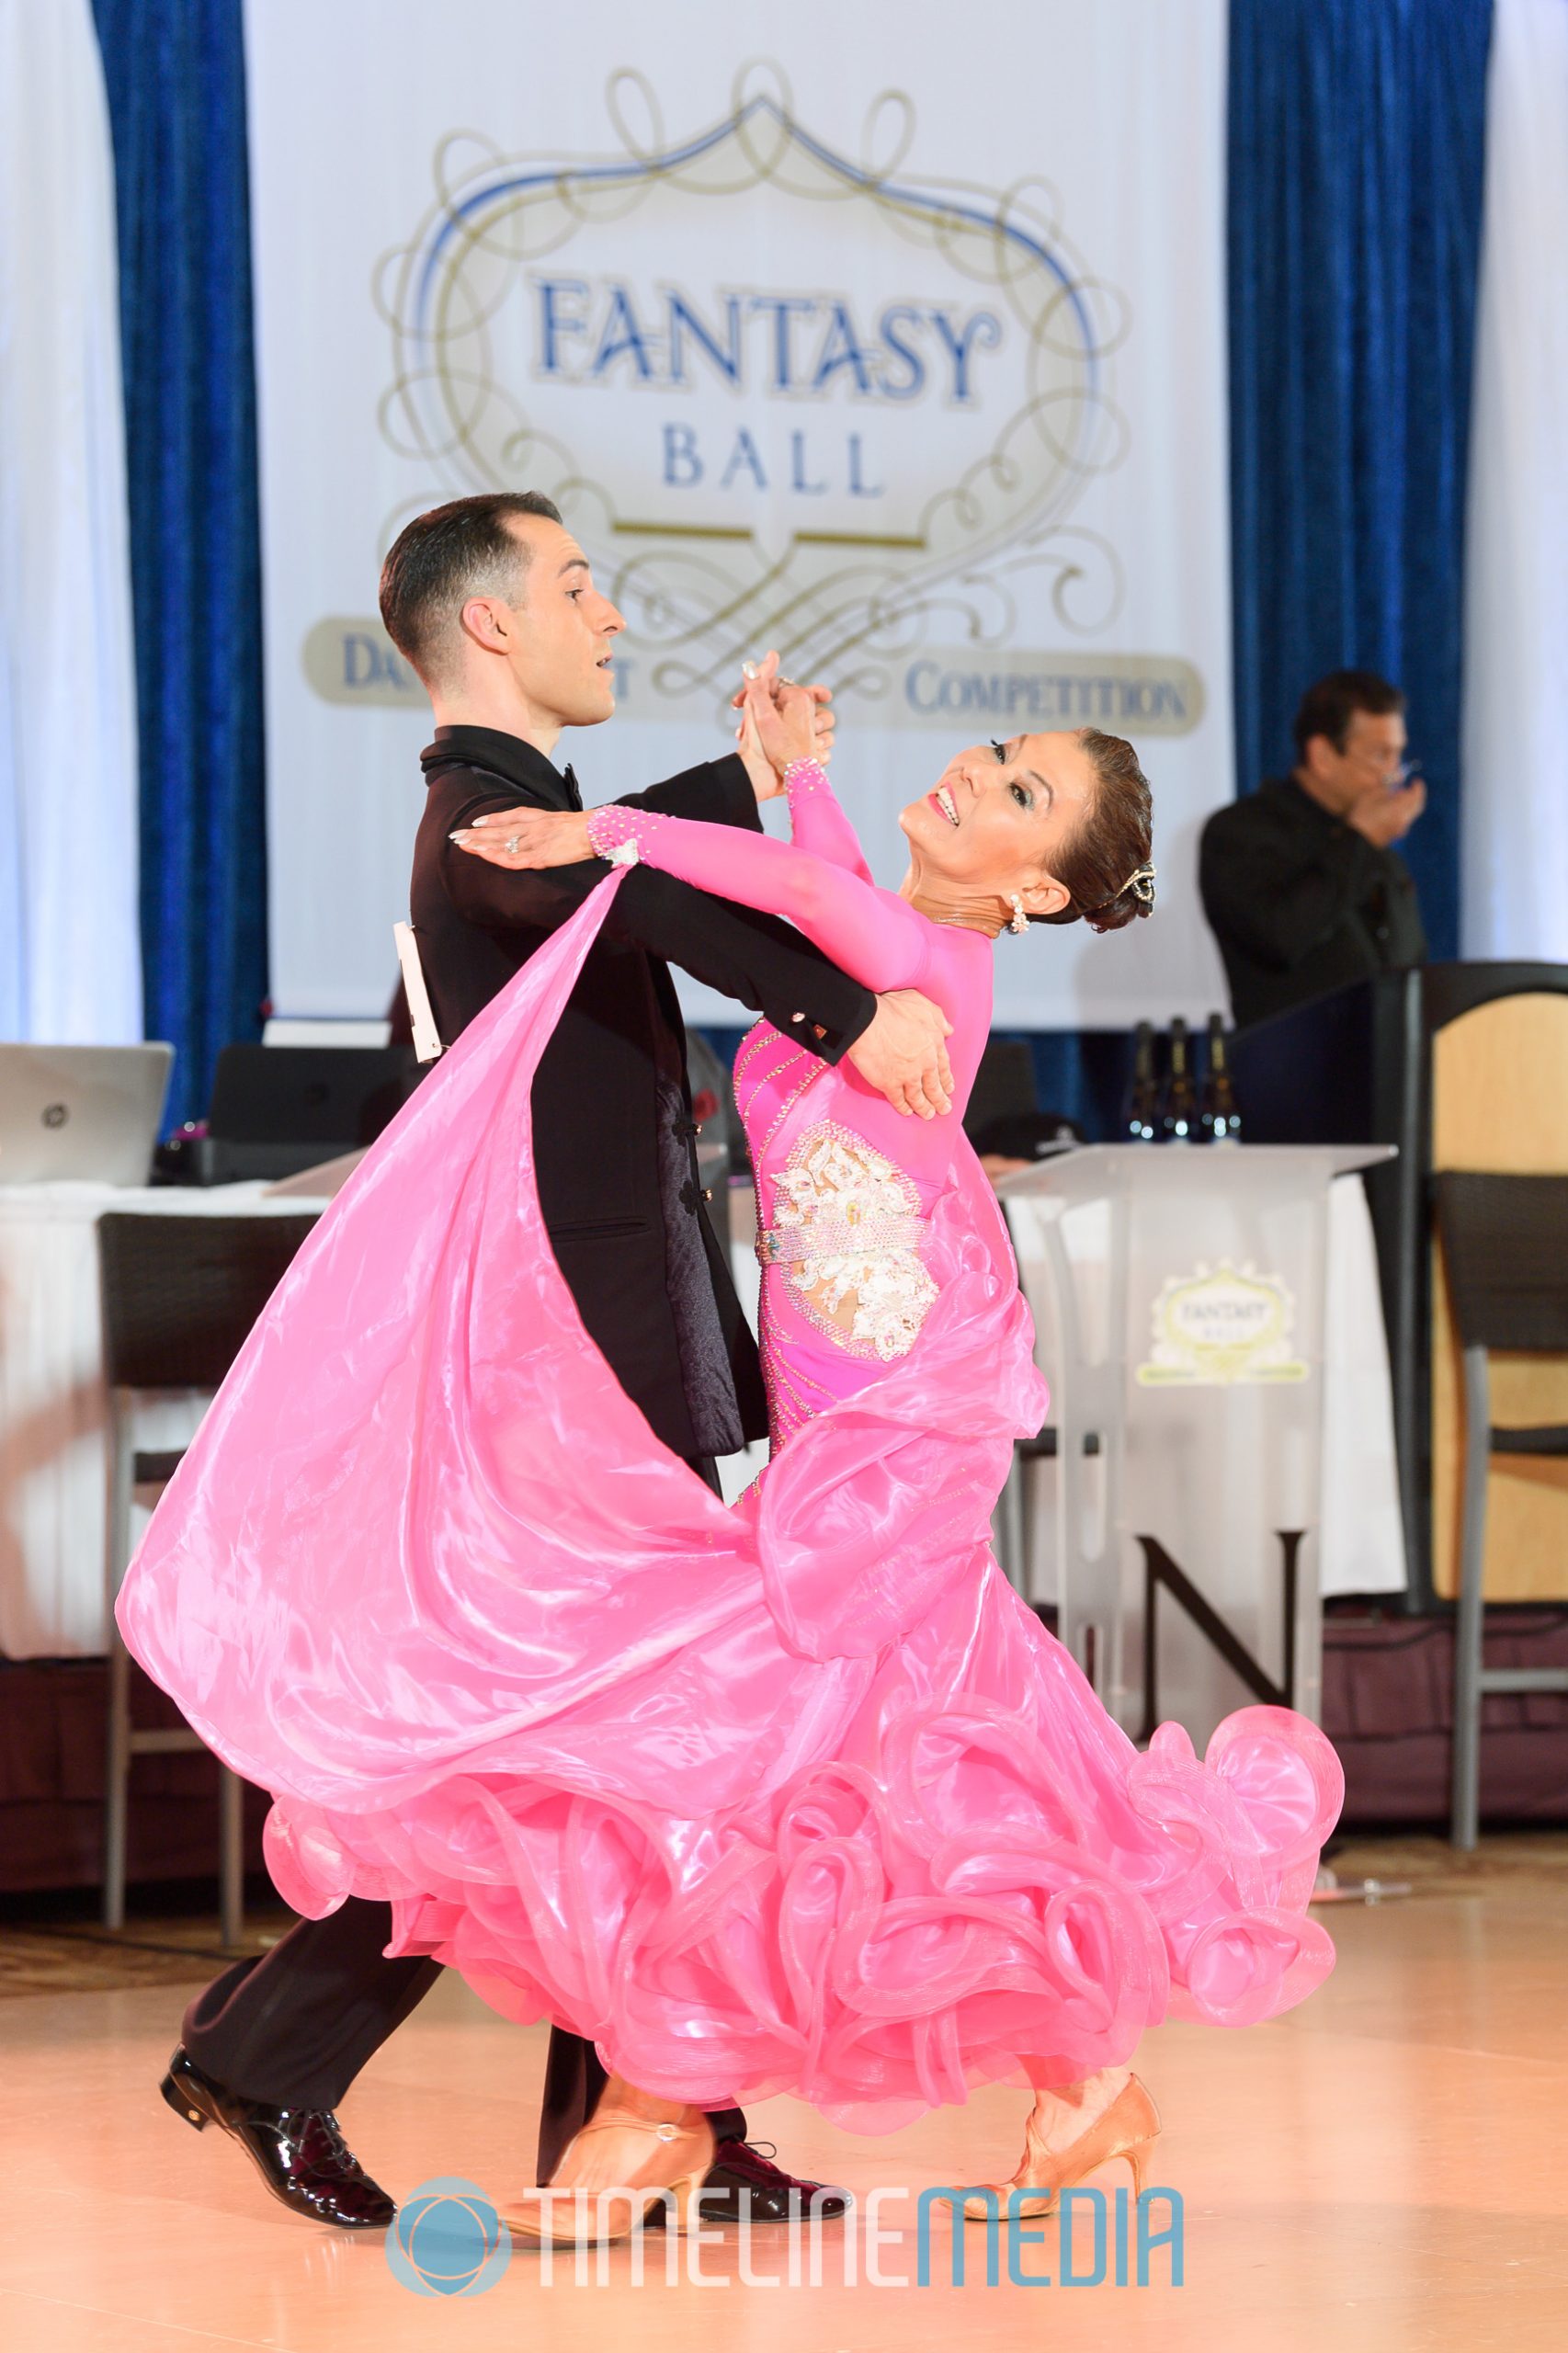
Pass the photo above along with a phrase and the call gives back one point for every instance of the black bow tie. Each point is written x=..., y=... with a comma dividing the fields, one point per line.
x=574, y=790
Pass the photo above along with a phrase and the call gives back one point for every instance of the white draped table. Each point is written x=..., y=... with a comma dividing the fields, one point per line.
x=53, y=1474
x=1359, y=1535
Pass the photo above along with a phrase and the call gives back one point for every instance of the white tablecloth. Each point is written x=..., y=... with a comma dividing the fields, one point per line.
x=1363, y=1530
x=53, y=1468
x=53, y=1472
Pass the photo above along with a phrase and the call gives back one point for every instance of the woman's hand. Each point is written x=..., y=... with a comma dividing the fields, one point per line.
x=527, y=837
x=766, y=778
x=783, y=714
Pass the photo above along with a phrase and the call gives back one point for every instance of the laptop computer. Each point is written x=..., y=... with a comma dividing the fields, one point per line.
x=86, y=1112
x=279, y=1109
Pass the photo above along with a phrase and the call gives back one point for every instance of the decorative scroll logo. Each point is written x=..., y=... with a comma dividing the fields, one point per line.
x=785, y=397
x=1221, y=1325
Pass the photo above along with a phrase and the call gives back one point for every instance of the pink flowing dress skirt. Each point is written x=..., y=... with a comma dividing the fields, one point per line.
x=796, y=1796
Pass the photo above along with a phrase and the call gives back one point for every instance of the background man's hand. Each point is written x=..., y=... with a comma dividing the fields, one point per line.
x=1385, y=818
x=903, y=1054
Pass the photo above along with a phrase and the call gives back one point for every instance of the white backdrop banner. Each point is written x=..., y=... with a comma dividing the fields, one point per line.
x=923, y=384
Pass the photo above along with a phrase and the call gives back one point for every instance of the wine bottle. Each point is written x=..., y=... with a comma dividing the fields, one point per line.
x=1143, y=1097
x=1218, y=1117
x=1178, y=1104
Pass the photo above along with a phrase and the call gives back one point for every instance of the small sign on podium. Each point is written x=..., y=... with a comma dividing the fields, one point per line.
x=1221, y=1325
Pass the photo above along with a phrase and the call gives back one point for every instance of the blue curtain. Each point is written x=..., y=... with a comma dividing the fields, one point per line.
x=175, y=72
x=1355, y=140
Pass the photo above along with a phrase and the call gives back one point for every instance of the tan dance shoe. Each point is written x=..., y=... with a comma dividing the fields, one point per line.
x=655, y=2162
x=1127, y=2128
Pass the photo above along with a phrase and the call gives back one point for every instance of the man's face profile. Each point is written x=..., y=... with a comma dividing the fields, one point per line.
x=561, y=632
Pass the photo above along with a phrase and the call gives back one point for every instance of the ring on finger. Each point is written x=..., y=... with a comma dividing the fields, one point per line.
x=513, y=844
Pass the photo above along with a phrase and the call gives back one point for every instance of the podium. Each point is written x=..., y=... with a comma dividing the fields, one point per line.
x=1179, y=1295
x=1460, y=1066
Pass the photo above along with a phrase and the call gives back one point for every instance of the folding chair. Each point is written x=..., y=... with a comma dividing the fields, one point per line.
x=179, y=1296
x=1506, y=1248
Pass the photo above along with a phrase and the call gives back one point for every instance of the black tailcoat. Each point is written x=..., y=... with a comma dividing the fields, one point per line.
x=613, y=1134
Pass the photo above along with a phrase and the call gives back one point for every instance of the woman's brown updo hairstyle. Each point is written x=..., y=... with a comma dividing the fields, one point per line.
x=1111, y=847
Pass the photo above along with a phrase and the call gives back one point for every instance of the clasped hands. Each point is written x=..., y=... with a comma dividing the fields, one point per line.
x=902, y=1054
x=779, y=722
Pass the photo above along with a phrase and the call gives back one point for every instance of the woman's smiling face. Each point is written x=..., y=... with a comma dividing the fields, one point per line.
x=1001, y=814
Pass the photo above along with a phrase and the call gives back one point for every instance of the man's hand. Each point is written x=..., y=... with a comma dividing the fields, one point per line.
x=1384, y=818
x=903, y=1056
x=527, y=837
x=766, y=782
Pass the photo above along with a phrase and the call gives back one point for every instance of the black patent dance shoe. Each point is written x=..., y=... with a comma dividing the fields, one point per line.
x=743, y=2179
x=299, y=2152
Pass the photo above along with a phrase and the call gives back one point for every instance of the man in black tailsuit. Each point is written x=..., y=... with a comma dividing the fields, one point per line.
x=1301, y=880
x=493, y=602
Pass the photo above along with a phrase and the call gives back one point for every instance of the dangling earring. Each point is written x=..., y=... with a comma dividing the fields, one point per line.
x=1018, y=921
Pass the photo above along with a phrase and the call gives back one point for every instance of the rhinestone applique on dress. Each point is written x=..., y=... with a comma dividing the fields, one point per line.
x=846, y=1225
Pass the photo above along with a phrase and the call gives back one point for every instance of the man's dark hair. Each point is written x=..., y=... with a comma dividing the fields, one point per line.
x=441, y=559
x=1328, y=708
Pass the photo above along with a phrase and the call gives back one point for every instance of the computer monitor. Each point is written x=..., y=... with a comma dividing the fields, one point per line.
x=278, y=1109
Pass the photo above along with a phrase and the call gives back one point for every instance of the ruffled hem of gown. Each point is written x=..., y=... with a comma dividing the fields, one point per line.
x=883, y=1935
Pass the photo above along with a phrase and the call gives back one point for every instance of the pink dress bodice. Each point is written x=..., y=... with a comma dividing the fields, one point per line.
x=847, y=1185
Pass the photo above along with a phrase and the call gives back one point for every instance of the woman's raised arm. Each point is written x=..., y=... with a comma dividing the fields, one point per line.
x=817, y=822
x=868, y=932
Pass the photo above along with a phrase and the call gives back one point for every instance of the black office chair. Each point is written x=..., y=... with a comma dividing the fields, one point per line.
x=1003, y=1087
x=1506, y=1248
x=179, y=1296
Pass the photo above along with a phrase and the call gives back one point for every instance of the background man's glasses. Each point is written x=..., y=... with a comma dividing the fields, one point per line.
x=1394, y=777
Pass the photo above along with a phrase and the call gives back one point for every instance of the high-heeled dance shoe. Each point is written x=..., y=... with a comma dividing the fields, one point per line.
x=1127, y=2128
x=671, y=2161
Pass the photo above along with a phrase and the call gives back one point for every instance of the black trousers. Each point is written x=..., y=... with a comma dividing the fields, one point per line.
x=293, y=2027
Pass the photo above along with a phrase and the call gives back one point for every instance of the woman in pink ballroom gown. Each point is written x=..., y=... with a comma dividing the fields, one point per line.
x=792, y=1796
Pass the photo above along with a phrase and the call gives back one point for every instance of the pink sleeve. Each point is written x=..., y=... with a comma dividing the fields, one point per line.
x=816, y=821
x=868, y=934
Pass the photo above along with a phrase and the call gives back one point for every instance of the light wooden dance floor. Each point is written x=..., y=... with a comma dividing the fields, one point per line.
x=1386, y=2168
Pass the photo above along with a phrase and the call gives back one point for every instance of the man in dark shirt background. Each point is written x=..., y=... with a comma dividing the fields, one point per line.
x=1300, y=880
